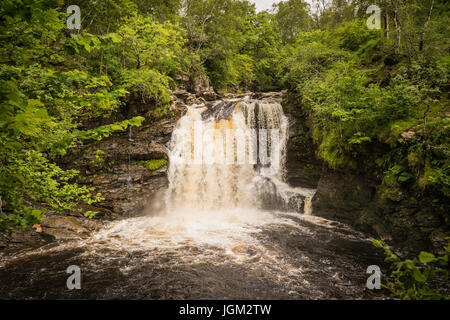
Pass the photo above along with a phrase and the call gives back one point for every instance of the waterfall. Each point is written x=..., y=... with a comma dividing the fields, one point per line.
x=231, y=231
x=232, y=155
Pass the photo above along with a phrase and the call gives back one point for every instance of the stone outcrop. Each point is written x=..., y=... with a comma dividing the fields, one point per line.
x=411, y=223
x=303, y=167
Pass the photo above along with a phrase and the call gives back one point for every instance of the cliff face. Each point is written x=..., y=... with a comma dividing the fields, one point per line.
x=410, y=223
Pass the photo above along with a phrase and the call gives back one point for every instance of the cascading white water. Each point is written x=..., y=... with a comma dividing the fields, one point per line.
x=231, y=156
x=226, y=171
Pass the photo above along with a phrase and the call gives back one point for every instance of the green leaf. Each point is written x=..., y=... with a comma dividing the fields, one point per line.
x=36, y=213
x=377, y=243
x=404, y=177
x=116, y=127
x=91, y=214
x=114, y=37
x=418, y=276
x=426, y=257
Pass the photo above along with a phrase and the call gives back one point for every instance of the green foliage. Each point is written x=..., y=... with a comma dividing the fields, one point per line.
x=91, y=214
x=349, y=111
x=148, y=43
x=416, y=279
x=237, y=47
x=148, y=84
x=353, y=34
x=306, y=61
x=262, y=44
x=42, y=108
x=105, y=131
x=292, y=18
x=154, y=164
x=365, y=112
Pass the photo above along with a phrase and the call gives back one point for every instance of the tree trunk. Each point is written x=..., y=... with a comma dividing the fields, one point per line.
x=422, y=38
x=386, y=20
x=398, y=29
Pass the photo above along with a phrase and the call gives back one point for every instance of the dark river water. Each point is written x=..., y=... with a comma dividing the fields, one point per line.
x=194, y=255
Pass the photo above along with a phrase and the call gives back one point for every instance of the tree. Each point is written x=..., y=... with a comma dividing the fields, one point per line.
x=215, y=31
x=42, y=106
x=292, y=17
x=427, y=22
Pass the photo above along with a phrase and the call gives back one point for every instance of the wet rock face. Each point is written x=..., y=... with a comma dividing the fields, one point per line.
x=411, y=224
x=268, y=194
x=221, y=110
x=341, y=197
x=270, y=198
x=303, y=167
x=128, y=190
x=128, y=169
